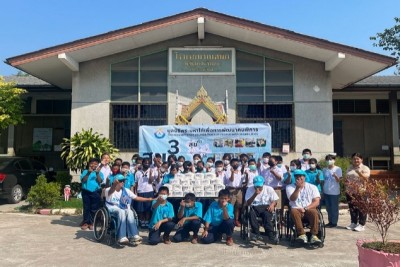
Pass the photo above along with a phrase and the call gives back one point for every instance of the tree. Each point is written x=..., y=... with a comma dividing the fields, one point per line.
x=389, y=40
x=11, y=104
x=80, y=148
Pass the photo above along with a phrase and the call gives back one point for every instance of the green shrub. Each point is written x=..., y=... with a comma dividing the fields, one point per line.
x=43, y=194
x=63, y=178
x=76, y=187
x=343, y=163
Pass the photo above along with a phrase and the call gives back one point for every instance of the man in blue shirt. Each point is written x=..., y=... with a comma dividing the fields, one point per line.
x=161, y=219
x=91, y=180
x=219, y=220
x=189, y=215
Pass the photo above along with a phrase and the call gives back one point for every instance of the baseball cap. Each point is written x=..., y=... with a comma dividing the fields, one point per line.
x=258, y=180
x=299, y=172
x=120, y=177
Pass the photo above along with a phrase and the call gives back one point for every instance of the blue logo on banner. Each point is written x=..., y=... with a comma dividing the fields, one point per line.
x=159, y=133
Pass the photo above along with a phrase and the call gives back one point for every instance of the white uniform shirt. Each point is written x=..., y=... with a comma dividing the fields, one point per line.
x=237, y=180
x=331, y=187
x=305, y=197
x=251, y=175
x=266, y=197
x=271, y=180
x=142, y=179
x=106, y=171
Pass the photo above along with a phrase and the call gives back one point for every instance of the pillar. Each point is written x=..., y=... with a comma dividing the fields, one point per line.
x=395, y=129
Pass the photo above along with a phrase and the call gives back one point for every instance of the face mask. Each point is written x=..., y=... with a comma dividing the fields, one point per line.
x=162, y=169
x=265, y=160
x=219, y=169
x=235, y=167
x=252, y=167
x=313, y=166
x=139, y=166
x=164, y=197
x=293, y=168
x=306, y=156
x=271, y=163
x=210, y=164
x=134, y=161
x=187, y=205
x=146, y=166
x=195, y=161
x=279, y=165
x=180, y=163
x=226, y=162
x=199, y=169
x=331, y=162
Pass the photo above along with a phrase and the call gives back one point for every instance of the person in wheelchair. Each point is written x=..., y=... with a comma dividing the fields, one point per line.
x=304, y=199
x=262, y=199
x=118, y=201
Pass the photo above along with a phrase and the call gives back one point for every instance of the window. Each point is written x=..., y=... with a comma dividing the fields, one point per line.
x=382, y=106
x=127, y=119
x=264, y=89
x=53, y=106
x=279, y=116
x=139, y=89
x=351, y=106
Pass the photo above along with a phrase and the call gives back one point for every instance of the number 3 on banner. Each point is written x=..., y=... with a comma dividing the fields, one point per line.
x=174, y=147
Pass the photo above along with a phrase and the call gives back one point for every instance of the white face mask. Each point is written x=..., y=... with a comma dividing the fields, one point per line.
x=293, y=168
x=306, y=156
x=164, y=196
x=313, y=166
x=331, y=162
x=162, y=169
x=219, y=169
x=226, y=162
x=195, y=161
x=180, y=163
x=265, y=160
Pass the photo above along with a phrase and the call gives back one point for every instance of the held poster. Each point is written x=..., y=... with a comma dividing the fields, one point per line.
x=206, y=140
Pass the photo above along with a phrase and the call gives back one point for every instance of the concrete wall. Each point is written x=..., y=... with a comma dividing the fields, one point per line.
x=313, y=108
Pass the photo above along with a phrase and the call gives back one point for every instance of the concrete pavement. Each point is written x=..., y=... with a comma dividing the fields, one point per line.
x=38, y=240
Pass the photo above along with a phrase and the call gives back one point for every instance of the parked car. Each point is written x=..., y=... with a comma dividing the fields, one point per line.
x=17, y=175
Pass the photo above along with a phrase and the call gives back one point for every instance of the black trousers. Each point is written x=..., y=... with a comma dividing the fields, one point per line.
x=355, y=214
x=266, y=216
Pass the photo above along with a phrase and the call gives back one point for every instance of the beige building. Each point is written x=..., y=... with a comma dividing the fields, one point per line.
x=147, y=74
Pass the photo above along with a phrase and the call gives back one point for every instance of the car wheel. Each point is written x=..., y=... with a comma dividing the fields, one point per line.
x=16, y=194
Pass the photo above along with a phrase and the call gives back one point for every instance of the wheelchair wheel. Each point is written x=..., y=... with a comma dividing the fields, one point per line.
x=276, y=224
x=100, y=224
x=321, y=229
x=244, y=228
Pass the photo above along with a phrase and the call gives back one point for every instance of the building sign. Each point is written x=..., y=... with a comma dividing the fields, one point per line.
x=201, y=61
x=206, y=140
x=42, y=139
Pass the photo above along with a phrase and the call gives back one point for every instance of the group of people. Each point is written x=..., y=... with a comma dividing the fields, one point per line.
x=266, y=184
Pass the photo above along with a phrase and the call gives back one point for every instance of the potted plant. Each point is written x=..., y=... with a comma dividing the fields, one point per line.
x=380, y=201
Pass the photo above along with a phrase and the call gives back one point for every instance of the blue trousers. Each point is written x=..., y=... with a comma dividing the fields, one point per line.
x=215, y=232
x=332, y=207
x=183, y=233
x=126, y=224
x=154, y=235
x=91, y=201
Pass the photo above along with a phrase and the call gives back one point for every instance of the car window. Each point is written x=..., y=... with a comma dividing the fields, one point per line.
x=4, y=162
x=23, y=165
x=38, y=166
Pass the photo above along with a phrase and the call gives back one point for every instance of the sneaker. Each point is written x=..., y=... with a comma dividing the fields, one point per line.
x=328, y=225
x=167, y=241
x=84, y=226
x=229, y=241
x=123, y=241
x=302, y=238
x=315, y=240
x=91, y=227
x=194, y=240
x=238, y=224
x=256, y=237
x=359, y=228
x=273, y=239
x=137, y=238
x=351, y=226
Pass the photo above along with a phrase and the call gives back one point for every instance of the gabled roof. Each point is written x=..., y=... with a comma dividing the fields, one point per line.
x=346, y=64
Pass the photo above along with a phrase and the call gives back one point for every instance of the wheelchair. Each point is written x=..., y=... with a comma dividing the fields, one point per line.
x=105, y=226
x=291, y=232
x=246, y=231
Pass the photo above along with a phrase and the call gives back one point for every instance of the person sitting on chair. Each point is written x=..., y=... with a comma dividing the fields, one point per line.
x=118, y=201
x=304, y=200
x=262, y=199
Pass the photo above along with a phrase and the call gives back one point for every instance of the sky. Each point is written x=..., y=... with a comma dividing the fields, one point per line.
x=30, y=25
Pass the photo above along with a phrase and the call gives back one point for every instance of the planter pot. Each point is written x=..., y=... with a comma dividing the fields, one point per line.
x=373, y=258
x=44, y=211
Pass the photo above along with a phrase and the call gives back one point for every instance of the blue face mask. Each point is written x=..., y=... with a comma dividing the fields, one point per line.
x=252, y=167
x=279, y=165
x=134, y=161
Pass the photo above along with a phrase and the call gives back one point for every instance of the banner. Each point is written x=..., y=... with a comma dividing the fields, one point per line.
x=206, y=140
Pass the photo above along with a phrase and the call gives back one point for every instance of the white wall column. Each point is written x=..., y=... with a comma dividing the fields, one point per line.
x=395, y=128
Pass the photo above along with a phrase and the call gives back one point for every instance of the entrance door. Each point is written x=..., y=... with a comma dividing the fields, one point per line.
x=338, y=137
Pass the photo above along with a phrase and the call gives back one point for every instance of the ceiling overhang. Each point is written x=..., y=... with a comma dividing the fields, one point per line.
x=346, y=64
